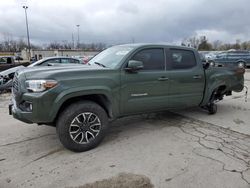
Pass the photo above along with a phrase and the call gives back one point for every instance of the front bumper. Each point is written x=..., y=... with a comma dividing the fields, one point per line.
x=20, y=115
x=41, y=103
x=42, y=106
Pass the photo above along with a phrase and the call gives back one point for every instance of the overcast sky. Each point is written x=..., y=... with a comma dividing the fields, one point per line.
x=122, y=21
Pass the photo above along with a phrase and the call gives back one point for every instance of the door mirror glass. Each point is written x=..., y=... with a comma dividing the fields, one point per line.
x=206, y=64
x=134, y=65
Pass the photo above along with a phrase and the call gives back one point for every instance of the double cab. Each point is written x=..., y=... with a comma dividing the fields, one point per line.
x=120, y=81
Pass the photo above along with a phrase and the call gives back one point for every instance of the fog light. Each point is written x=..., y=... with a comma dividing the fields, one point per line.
x=26, y=106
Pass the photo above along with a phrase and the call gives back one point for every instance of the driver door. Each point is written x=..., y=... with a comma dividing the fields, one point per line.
x=147, y=89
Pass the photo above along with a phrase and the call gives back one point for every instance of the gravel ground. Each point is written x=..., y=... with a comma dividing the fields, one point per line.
x=180, y=149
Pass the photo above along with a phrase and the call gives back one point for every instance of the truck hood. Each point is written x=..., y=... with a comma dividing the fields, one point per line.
x=59, y=72
x=45, y=72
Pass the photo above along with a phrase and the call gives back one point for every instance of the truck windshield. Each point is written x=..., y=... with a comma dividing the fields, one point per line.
x=110, y=57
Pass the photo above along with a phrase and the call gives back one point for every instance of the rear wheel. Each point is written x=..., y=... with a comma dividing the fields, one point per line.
x=82, y=126
x=212, y=108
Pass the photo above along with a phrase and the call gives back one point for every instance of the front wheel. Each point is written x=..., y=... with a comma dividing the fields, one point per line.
x=82, y=126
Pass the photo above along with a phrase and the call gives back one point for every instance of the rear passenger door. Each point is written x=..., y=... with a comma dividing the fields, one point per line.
x=187, y=79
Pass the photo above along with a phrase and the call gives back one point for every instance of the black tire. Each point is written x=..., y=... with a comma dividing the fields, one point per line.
x=212, y=108
x=70, y=118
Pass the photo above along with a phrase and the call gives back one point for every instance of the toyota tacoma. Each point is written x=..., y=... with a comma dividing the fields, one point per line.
x=123, y=80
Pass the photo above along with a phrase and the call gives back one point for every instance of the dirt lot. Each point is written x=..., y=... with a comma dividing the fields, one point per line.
x=180, y=149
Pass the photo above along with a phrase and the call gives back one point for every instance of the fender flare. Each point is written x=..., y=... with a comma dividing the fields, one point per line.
x=74, y=93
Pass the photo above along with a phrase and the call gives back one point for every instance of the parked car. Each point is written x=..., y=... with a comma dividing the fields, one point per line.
x=7, y=75
x=120, y=81
x=84, y=59
x=232, y=58
x=208, y=55
x=6, y=78
x=54, y=61
x=18, y=58
x=7, y=62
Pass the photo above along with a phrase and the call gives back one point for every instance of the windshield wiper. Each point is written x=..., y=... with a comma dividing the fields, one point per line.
x=100, y=64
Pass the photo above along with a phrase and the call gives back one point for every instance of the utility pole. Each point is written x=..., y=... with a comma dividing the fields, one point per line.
x=73, y=43
x=133, y=40
x=27, y=27
x=78, y=38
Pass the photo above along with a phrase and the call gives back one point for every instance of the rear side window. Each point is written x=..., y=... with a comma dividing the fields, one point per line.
x=51, y=61
x=182, y=59
x=153, y=59
x=237, y=55
x=74, y=61
x=65, y=61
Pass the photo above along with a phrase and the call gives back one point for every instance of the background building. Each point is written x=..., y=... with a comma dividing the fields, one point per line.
x=39, y=54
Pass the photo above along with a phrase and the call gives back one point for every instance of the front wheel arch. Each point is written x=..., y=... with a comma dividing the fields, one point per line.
x=241, y=61
x=99, y=99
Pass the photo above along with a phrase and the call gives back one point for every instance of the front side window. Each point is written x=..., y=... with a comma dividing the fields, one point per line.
x=182, y=59
x=153, y=59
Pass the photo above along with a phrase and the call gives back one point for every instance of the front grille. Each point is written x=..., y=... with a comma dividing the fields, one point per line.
x=15, y=83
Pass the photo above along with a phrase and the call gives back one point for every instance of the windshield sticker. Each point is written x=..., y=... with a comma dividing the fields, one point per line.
x=122, y=52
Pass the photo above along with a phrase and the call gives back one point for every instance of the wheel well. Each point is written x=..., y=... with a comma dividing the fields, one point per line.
x=100, y=99
x=218, y=93
x=221, y=89
x=241, y=61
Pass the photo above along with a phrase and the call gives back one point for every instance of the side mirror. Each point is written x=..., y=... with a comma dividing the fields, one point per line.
x=206, y=64
x=134, y=66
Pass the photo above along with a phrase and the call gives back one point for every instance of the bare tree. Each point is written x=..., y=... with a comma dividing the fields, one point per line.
x=217, y=44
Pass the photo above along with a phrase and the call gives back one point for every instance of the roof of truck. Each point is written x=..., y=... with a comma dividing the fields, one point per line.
x=156, y=45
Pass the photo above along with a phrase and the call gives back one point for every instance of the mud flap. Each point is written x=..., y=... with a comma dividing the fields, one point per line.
x=10, y=109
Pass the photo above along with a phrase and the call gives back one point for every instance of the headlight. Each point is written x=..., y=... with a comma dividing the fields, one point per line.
x=241, y=65
x=40, y=85
x=212, y=64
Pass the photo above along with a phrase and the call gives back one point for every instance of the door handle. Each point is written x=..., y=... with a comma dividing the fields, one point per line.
x=163, y=78
x=197, y=77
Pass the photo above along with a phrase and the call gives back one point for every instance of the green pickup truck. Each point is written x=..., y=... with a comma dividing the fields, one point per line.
x=120, y=81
